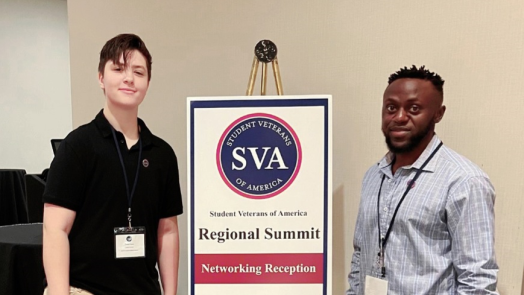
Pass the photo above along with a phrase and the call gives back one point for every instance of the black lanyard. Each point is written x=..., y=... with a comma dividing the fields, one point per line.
x=129, y=194
x=411, y=183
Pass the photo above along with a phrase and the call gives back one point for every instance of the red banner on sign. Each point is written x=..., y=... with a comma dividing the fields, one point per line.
x=303, y=268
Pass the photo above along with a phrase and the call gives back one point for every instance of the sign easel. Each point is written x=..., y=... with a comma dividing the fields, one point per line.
x=265, y=52
x=259, y=190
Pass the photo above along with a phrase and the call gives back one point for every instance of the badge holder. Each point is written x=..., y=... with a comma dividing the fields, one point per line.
x=130, y=242
x=265, y=52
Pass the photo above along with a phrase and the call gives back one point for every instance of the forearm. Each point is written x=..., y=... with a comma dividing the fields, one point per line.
x=354, y=274
x=168, y=256
x=476, y=267
x=472, y=227
x=168, y=248
x=56, y=260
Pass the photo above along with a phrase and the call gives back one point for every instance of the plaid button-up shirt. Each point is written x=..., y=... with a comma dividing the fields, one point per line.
x=442, y=239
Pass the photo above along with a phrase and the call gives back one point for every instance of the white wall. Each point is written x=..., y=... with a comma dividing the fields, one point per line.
x=342, y=47
x=35, y=88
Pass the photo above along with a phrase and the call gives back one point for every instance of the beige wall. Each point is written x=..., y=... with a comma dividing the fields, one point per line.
x=344, y=48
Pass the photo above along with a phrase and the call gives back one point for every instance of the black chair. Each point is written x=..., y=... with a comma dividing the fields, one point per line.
x=35, y=185
x=13, y=205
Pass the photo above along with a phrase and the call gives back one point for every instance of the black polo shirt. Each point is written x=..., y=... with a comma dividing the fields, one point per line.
x=86, y=176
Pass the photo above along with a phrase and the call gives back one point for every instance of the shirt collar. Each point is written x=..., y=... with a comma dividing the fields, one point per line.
x=105, y=128
x=387, y=160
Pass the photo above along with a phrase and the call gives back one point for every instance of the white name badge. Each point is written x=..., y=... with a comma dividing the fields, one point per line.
x=376, y=286
x=130, y=242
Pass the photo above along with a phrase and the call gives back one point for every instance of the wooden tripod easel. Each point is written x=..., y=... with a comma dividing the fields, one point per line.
x=265, y=52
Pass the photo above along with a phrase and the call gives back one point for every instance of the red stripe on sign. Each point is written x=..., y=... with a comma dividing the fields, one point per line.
x=293, y=268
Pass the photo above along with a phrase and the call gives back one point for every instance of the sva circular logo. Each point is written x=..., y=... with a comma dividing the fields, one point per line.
x=258, y=156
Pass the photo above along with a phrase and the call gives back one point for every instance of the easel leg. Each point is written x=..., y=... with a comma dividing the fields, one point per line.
x=264, y=79
x=252, y=77
x=276, y=73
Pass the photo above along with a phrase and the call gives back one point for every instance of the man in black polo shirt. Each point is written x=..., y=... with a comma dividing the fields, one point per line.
x=113, y=195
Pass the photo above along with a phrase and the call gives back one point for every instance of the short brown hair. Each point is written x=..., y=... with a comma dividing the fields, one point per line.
x=122, y=45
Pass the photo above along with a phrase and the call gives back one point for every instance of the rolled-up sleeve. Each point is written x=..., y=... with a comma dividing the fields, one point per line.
x=471, y=222
x=354, y=274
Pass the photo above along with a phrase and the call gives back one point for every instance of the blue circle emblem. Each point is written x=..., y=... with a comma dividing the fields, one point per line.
x=258, y=156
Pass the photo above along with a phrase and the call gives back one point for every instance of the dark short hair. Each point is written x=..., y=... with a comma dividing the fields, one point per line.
x=418, y=73
x=122, y=45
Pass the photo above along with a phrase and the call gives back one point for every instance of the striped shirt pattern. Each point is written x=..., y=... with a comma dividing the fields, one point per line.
x=442, y=239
